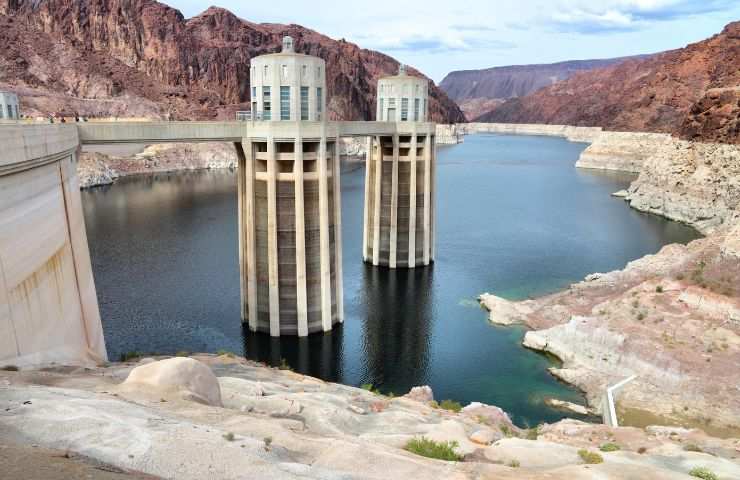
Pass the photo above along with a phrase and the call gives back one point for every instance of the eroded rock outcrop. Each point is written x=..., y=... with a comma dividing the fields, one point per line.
x=622, y=151
x=691, y=182
x=672, y=319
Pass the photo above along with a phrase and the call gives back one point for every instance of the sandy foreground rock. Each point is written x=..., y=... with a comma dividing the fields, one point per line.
x=278, y=424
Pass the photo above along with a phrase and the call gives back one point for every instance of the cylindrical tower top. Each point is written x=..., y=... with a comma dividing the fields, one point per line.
x=9, y=108
x=402, y=98
x=288, y=86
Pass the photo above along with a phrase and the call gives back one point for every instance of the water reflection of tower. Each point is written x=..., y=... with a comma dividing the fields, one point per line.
x=316, y=355
x=398, y=327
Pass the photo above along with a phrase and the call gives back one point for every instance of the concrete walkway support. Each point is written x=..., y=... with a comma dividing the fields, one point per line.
x=291, y=243
x=48, y=305
x=399, y=199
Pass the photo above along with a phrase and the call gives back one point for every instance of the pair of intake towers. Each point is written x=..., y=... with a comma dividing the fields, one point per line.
x=290, y=238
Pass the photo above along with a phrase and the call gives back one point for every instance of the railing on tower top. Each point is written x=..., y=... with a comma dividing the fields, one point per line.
x=246, y=116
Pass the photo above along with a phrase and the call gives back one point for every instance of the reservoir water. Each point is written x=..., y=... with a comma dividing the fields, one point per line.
x=514, y=218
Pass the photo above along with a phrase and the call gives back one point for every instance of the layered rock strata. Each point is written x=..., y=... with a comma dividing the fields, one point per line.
x=672, y=319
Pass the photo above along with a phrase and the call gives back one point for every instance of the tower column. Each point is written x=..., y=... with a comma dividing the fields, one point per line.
x=300, y=240
x=412, y=201
x=249, y=234
x=394, y=205
x=242, y=227
x=272, y=238
x=427, y=195
x=366, y=208
x=337, y=195
x=324, y=233
x=377, y=158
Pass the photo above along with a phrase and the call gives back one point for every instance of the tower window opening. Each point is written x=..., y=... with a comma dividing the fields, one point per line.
x=266, y=72
x=284, y=103
x=417, y=104
x=284, y=72
x=382, y=110
x=319, y=101
x=404, y=109
x=304, y=103
x=266, y=104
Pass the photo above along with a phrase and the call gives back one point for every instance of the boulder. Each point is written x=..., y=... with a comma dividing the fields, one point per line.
x=192, y=379
x=484, y=436
x=422, y=394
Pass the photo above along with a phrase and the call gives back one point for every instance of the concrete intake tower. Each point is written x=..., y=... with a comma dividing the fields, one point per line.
x=290, y=213
x=399, y=179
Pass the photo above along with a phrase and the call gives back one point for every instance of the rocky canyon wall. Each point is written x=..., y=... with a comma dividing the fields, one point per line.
x=143, y=58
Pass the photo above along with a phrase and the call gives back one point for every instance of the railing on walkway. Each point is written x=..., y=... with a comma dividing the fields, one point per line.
x=609, y=410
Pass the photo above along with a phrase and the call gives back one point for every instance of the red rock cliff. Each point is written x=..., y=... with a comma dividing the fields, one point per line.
x=692, y=92
x=143, y=58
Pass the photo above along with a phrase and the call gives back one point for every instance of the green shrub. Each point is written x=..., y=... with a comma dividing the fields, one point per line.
x=182, y=353
x=10, y=368
x=229, y=437
x=659, y=289
x=703, y=473
x=450, y=405
x=609, y=447
x=434, y=404
x=533, y=433
x=514, y=464
x=284, y=365
x=506, y=430
x=691, y=447
x=126, y=356
x=225, y=352
x=431, y=449
x=590, y=457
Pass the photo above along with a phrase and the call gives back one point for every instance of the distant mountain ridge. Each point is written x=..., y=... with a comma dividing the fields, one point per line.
x=478, y=91
x=693, y=92
x=143, y=58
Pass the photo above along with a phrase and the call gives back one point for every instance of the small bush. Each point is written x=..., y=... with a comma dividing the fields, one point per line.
x=9, y=368
x=182, y=353
x=659, y=289
x=126, y=356
x=690, y=447
x=609, y=447
x=506, y=430
x=703, y=473
x=229, y=437
x=225, y=352
x=284, y=365
x=450, y=405
x=514, y=464
x=533, y=433
x=434, y=404
x=590, y=457
x=680, y=277
x=431, y=449
x=641, y=450
x=268, y=442
x=641, y=316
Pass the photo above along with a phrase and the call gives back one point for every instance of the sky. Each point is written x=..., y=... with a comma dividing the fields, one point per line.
x=438, y=37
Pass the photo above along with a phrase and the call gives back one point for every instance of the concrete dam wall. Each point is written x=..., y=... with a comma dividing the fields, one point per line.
x=48, y=305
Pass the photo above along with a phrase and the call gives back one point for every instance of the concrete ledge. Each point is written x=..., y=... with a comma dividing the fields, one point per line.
x=28, y=146
x=98, y=133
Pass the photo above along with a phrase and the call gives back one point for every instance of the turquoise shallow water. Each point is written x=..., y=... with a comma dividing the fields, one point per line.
x=514, y=218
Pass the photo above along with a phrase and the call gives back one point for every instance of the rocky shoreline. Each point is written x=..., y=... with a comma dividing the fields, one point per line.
x=673, y=318
x=209, y=416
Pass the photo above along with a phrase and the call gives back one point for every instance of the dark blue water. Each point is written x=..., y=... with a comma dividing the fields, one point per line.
x=514, y=218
